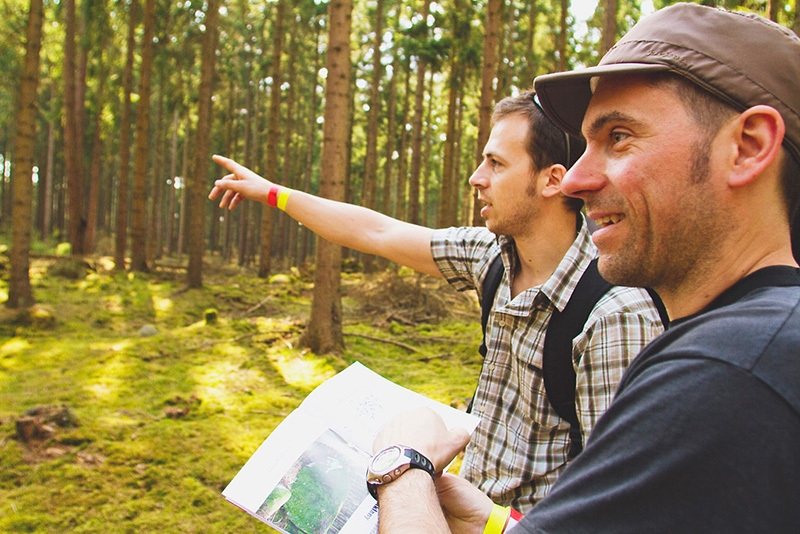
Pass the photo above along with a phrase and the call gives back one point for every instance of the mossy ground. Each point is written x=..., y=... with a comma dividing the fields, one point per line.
x=167, y=419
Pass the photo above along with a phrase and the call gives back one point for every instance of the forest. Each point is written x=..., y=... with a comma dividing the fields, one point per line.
x=112, y=109
x=149, y=341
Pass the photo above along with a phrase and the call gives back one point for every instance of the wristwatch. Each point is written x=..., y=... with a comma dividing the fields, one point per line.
x=390, y=463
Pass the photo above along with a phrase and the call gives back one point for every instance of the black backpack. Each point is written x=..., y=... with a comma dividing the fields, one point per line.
x=559, y=374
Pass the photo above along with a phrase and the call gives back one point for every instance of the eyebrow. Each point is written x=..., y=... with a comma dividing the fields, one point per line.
x=613, y=116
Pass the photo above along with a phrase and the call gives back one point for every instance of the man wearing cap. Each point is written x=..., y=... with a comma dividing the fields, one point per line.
x=521, y=444
x=692, y=170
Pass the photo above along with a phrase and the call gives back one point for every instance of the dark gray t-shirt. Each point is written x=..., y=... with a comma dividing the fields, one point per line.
x=704, y=433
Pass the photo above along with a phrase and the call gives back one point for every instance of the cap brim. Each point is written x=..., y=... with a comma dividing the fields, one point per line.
x=565, y=95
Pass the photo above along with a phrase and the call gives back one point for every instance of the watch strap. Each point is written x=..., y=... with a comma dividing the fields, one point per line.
x=416, y=460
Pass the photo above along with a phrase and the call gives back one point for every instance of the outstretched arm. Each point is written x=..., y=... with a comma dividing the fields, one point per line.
x=351, y=226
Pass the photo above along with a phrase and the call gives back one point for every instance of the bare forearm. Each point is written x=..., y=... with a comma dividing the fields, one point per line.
x=344, y=224
x=410, y=505
x=364, y=230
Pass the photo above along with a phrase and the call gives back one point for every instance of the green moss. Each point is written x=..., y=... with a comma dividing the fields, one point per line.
x=131, y=466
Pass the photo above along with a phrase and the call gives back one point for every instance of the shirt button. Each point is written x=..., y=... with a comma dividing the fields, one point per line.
x=501, y=322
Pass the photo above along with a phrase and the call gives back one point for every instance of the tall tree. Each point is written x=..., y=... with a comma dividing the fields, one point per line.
x=370, y=183
x=609, y=25
x=448, y=204
x=324, y=331
x=561, y=38
x=796, y=25
x=72, y=133
x=773, y=8
x=530, y=44
x=98, y=14
x=142, y=144
x=196, y=183
x=20, y=294
x=488, y=75
x=121, y=234
x=273, y=137
x=416, y=127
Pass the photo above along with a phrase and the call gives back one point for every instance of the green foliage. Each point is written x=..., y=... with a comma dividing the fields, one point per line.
x=165, y=421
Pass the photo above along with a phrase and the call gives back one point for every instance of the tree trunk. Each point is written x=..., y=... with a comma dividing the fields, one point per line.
x=72, y=133
x=530, y=53
x=197, y=181
x=324, y=331
x=609, y=26
x=416, y=128
x=19, y=285
x=173, y=169
x=488, y=73
x=273, y=138
x=140, y=149
x=448, y=204
x=47, y=184
x=93, y=204
x=561, y=46
x=155, y=227
x=773, y=8
x=306, y=238
x=121, y=235
x=370, y=185
x=401, y=195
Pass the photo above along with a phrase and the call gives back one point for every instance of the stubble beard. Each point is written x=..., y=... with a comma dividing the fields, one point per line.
x=663, y=262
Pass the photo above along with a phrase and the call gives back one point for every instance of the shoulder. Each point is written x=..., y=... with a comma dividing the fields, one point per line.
x=758, y=335
x=627, y=300
x=626, y=309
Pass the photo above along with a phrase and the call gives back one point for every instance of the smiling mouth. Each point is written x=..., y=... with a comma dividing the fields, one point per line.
x=604, y=222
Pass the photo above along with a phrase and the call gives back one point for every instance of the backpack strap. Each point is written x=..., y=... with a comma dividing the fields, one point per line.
x=488, y=291
x=662, y=310
x=559, y=373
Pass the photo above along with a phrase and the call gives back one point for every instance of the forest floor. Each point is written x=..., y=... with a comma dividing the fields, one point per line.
x=128, y=402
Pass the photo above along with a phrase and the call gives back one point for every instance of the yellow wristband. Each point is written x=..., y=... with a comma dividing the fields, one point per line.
x=283, y=197
x=497, y=520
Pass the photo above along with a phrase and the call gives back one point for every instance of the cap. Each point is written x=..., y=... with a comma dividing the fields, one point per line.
x=742, y=58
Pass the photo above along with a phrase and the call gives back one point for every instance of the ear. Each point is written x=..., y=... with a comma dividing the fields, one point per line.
x=550, y=180
x=757, y=135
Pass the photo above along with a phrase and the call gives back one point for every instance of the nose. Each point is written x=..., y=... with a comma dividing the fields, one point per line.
x=583, y=177
x=479, y=177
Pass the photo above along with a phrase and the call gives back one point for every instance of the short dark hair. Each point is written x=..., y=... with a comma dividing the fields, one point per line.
x=547, y=144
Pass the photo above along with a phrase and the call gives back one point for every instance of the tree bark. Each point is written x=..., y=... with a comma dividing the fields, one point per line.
x=609, y=26
x=20, y=294
x=561, y=41
x=121, y=234
x=72, y=133
x=488, y=74
x=197, y=181
x=416, y=127
x=273, y=138
x=141, y=145
x=324, y=331
x=370, y=184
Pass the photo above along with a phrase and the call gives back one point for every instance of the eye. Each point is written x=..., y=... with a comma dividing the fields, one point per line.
x=617, y=136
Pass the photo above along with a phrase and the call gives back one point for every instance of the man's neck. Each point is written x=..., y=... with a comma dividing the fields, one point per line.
x=539, y=252
x=698, y=291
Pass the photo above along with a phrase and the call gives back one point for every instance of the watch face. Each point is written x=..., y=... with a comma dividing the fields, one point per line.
x=385, y=460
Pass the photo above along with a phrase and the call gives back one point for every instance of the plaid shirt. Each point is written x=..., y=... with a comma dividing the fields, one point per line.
x=521, y=444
